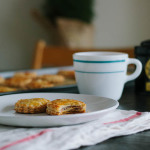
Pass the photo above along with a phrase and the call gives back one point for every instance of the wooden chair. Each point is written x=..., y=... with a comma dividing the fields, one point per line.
x=47, y=56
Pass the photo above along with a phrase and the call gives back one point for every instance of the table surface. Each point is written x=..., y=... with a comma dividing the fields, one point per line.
x=130, y=100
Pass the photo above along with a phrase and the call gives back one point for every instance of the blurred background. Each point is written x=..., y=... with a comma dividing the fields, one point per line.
x=84, y=23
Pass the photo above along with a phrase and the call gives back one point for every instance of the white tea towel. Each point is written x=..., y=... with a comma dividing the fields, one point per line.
x=117, y=123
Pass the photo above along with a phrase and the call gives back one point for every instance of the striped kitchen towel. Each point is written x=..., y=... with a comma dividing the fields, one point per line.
x=117, y=123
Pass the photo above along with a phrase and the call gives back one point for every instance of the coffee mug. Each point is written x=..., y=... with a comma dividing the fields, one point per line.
x=104, y=73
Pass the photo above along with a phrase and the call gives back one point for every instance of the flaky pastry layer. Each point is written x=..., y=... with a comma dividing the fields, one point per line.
x=33, y=105
x=67, y=73
x=2, y=80
x=6, y=89
x=19, y=82
x=26, y=74
x=52, y=78
x=38, y=83
x=65, y=106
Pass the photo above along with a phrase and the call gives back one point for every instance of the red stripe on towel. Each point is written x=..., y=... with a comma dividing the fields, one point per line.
x=25, y=139
x=126, y=119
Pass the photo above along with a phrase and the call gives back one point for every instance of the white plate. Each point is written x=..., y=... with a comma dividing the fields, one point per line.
x=97, y=107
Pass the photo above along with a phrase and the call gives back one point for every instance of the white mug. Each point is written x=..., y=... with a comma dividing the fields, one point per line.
x=103, y=73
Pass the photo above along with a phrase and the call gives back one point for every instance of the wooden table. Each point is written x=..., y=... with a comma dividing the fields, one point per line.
x=140, y=141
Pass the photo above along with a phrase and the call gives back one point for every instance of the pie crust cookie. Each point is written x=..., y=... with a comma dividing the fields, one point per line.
x=7, y=89
x=53, y=78
x=31, y=106
x=67, y=73
x=19, y=82
x=38, y=83
x=1, y=80
x=65, y=106
x=26, y=74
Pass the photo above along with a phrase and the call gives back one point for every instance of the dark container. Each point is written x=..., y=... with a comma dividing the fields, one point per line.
x=142, y=52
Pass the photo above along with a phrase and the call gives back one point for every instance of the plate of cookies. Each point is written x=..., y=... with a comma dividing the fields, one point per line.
x=53, y=109
x=31, y=81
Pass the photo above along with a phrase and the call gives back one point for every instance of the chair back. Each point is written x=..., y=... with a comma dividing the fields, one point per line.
x=47, y=56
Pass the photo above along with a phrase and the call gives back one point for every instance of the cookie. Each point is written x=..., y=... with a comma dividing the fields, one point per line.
x=26, y=74
x=31, y=106
x=19, y=82
x=38, y=83
x=2, y=80
x=6, y=89
x=67, y=73
x=52, y=78
x=65, y=106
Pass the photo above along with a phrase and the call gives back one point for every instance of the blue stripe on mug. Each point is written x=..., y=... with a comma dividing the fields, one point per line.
x=89, y=61
x=99, y=72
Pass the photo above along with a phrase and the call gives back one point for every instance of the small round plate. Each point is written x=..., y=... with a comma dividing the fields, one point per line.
x=97, y=107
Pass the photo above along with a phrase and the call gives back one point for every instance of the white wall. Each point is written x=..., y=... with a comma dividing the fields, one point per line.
x=118, y=23
x=18, y=33
x=121, y=23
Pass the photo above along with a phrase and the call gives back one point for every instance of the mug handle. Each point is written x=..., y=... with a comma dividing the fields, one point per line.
x=137, y=71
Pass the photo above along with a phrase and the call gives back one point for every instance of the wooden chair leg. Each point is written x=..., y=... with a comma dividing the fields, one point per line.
x=38, y=55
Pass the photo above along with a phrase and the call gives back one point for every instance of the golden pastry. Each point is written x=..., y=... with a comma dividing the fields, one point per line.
x=52, y=78
x=67, y=73
x=26, y=74
x=38, y=83
x=6, y=89
x=2, y=80
x=31, y=106
x=19, y=82
x=65, y=106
